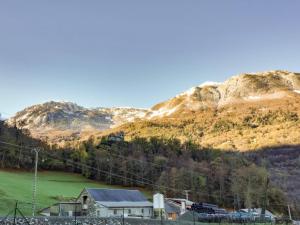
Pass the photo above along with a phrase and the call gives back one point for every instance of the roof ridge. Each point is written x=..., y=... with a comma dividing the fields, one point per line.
x=112, y=189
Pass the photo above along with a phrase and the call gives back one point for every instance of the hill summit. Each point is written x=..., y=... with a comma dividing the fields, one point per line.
x=249, y=87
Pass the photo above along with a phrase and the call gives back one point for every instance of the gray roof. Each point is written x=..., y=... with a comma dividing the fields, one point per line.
x=115, y=195
x=171, y=208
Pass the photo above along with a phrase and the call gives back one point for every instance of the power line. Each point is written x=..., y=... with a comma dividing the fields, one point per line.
x=139, y=160
x=82, y=164
x=78, y=164
x=18, y=146
x=123, y=157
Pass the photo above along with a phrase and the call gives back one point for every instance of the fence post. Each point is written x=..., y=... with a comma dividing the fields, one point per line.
x=194, y=217
x=123, y=219
x=75, y=213
x=15, y=213
x=161, y=219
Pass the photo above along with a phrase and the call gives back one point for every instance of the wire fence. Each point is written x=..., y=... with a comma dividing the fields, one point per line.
x=17, y=217
x=114, y=221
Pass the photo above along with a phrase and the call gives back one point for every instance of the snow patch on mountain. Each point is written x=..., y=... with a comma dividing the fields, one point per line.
x=209, y=83
x=192, y=90
x=254, y=97
x=163, y=111
x=297, y=91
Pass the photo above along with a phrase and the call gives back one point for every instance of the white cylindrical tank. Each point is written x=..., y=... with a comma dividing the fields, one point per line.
x=158, y=201
x=183, y=207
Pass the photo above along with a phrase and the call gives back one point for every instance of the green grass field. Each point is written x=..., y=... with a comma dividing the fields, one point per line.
x=52, y=187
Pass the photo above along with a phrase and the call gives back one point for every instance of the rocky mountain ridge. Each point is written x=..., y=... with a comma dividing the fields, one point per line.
x=66, y=121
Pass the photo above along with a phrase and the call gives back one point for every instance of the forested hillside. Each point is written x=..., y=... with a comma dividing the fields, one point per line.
x=229, y=179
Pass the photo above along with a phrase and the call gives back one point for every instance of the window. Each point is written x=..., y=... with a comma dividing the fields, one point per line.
x=129, y=211
x=115, y=211
x=98, y=213
x=143, y=211
x=84, y=198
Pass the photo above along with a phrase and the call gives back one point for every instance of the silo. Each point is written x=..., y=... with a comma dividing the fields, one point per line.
x=159, y=205
x=158, y=201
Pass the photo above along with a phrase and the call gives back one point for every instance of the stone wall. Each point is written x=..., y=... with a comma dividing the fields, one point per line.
x=87, y=221
x=91, y=211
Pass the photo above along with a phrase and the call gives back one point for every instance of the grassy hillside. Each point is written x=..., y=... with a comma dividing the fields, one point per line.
x=52, y=187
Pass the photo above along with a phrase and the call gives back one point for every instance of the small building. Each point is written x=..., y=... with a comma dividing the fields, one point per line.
x=184, y=203
x=169, y=208
x=65, y=209
x=99, y=202
x=175, y=207
x=172, y=210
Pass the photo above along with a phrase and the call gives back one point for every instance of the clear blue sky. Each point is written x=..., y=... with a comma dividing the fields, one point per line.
x=137, y=52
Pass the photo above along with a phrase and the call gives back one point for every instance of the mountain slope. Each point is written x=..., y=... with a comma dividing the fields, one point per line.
x=246, y=112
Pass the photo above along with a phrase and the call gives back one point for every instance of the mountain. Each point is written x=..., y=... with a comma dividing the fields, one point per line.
x=238, y=89
x=58, y=122
x=247, y=111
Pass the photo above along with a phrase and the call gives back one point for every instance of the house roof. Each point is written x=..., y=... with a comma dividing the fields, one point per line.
x=179, y=200
x=115, y=195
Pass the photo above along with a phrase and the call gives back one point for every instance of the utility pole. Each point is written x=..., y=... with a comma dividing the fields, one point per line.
x=290, y=214
x=36, y=150
x=187, y=194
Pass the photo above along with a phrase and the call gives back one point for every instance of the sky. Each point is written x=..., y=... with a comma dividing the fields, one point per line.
x=136, y=52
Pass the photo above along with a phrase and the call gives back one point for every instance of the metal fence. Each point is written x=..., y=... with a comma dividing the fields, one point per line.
x=16, y=217
x=116, y=221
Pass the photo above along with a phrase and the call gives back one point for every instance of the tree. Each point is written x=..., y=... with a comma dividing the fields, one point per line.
x=251, y=185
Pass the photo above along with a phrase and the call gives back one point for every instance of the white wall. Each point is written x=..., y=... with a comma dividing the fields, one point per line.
x=110, y=212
